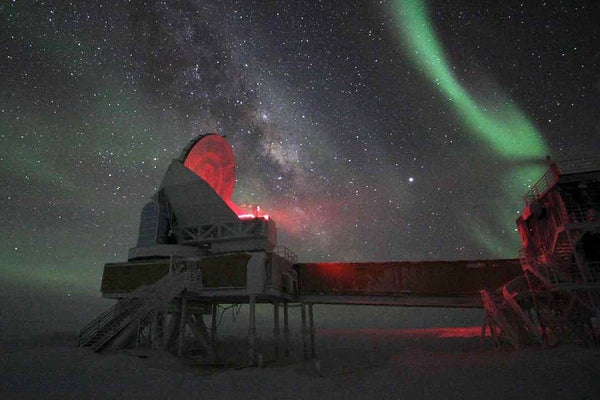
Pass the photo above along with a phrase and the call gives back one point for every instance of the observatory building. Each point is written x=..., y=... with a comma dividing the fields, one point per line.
x=197, y=250
x=557, y=297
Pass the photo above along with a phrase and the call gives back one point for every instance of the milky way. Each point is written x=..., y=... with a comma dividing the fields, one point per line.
x=351, y=143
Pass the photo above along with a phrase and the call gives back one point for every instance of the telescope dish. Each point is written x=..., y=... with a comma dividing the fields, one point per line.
x=211, y=158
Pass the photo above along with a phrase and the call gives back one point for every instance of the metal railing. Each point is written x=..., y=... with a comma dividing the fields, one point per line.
x=229, y=230
x=104, y=320
x=141, y=301
x=587, y=213
x=286, y=253
x=557, y=272
x=579, y=165
x=541, y=187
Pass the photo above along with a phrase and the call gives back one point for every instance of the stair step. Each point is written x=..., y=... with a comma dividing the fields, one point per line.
x=124, y=312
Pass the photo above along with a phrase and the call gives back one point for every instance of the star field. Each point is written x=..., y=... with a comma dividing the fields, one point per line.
x=339, y=131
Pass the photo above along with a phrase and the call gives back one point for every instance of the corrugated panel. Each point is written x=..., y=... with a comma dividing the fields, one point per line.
x=426, y=278
x=148, y=225
x=225, y=271
x=126, y=277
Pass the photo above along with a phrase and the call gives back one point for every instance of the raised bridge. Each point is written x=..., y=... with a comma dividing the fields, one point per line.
x=404, y=283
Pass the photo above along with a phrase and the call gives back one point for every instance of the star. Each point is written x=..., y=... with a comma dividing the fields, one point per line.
x=102, y=95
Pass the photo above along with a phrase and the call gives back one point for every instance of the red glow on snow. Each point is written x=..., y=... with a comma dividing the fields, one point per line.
x=414, y=333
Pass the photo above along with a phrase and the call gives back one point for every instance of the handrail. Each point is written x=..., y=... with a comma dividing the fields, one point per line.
x=144, y=295
x=226, y=230
x=579, y=165
x=88, y=331
x=541, y=187
x=496, y=316
x=286, y=253
x=588, y=213
x=557, y=271
x=564, y=167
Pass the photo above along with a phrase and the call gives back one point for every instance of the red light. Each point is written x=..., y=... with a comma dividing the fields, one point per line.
x=211, y=158
x=413, y=333
x=251, y=212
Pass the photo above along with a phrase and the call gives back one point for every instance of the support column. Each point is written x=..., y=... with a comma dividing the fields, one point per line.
x=276, y=328
x=213, y=325
x=171, y=333
x=304, y=330
x=137, y=336
x=252, y=331
x=126, y=337
x=311, y=324
x=156, y=330
x=196, y=324
x=182, y=326
x=286, y=331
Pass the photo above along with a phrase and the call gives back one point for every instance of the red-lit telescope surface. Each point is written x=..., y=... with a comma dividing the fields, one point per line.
x=211, y=158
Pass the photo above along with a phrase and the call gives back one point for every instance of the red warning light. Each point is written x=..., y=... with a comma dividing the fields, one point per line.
x=252, y=212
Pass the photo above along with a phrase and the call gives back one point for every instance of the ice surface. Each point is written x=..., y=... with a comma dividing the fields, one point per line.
x=365, y=353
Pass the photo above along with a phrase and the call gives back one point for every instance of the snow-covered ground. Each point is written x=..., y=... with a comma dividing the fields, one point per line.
x=364, y=353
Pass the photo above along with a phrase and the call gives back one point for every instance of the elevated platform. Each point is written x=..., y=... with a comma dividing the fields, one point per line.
x=232, y=278
x=404, y=283
x=160, y=298
x=397, y=301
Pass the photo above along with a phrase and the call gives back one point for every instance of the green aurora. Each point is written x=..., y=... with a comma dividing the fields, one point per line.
x=503, y=127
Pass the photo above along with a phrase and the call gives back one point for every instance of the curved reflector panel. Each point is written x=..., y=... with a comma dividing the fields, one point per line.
x=211, y=158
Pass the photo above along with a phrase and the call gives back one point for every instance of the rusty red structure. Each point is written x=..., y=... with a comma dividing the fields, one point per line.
x=404, y=283
x=557, y=297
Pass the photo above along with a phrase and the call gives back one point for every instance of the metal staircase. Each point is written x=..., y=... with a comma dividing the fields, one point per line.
x=506, y=314
x=143, y=301
x=560, y=229
x=498, y=318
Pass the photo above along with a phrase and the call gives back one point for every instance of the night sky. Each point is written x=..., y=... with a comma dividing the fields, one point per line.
x=389, y=130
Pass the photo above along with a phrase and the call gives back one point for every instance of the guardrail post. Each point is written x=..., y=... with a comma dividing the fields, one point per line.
x=286, y=330
x=311, y=324
x=304, y=330
x=213, y=324
x=182, y=326
x=276, y=328
x=252, y=331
